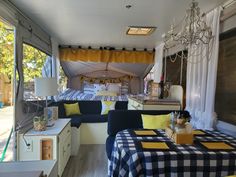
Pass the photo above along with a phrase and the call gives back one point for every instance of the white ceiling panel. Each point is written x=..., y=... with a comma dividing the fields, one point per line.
x=104, y=22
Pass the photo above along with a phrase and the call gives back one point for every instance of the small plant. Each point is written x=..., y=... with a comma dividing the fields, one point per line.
x=40, y=123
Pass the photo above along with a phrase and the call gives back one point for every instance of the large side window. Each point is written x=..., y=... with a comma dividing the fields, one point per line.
x=35, y=64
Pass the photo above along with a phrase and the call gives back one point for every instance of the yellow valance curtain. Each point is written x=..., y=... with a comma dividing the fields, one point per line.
x=116, y=56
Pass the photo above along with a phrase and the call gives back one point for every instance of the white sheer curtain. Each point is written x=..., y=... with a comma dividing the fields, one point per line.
x=158, y=62
x=201, y=78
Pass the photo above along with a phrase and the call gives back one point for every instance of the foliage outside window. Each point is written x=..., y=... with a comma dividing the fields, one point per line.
x=6, y=50
x=6, y=63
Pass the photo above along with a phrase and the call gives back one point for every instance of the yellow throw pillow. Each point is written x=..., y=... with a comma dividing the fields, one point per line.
x=106, y=93
x=107, y=106
x=72, y=109
x=155, y=121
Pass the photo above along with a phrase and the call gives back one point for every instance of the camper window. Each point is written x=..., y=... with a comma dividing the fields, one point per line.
x=35, y=64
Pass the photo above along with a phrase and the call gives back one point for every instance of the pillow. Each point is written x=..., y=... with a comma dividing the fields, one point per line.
x=106, y=93
x=72, y=109
x=107, y=106
x=89, y=88
x=155, y=121
x=99, y=87
x=124, y=90
x=114, y=87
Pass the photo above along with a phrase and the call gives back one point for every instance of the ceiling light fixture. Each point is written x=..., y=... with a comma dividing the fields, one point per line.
x=194, y=29
x=191, y=32
x=140, y=30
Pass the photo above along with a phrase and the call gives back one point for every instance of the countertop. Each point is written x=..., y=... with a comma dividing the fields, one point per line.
x=150, y=100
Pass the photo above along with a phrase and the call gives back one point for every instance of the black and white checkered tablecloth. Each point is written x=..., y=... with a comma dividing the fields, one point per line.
x=130, y=161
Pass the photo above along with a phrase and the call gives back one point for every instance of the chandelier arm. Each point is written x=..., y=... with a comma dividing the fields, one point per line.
x=181, y=68
x=165, y=66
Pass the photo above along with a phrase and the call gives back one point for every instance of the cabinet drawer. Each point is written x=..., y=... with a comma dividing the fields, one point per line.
x=68, y=150
x=137, y=106
x=65, y=133
x=64, y=154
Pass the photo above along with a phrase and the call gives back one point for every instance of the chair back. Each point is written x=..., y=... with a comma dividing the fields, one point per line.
x=176, y=92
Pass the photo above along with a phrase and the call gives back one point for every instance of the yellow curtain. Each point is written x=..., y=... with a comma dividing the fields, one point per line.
x=116, y=56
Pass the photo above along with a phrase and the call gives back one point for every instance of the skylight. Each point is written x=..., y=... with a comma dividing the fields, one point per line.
x=140, y=30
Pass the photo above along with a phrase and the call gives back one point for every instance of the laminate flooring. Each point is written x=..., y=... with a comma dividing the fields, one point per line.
x=91, y=161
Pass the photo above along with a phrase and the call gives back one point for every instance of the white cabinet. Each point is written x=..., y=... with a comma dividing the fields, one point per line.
x=52, y=144
x=141, y=103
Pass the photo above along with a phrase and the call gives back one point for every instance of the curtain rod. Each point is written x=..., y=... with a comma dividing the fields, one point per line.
x=228, y=3
x=105, y=48
x=224, y=5
x=229, y=10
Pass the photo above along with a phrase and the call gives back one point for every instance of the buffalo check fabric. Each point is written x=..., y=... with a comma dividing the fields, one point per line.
x=181, y=161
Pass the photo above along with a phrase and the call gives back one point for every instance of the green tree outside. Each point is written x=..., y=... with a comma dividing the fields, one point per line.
x=6, y=49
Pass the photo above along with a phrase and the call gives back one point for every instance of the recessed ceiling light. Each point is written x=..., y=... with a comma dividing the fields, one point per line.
x=140, y=30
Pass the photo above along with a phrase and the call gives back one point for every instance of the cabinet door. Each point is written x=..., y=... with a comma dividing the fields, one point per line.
x=61, y=156
x=64, y=149
x=46, y=149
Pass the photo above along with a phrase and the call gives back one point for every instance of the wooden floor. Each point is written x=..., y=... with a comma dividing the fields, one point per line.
x=91, y=161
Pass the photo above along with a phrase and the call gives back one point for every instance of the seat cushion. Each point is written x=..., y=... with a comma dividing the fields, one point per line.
x=76, y=121
x=109, y=145
x=90, y=118
x=86, y=107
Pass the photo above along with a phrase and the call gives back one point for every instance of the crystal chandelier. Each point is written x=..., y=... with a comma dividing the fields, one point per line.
x=194, y=30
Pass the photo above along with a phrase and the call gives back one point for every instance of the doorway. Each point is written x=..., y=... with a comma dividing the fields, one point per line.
x=7, y=70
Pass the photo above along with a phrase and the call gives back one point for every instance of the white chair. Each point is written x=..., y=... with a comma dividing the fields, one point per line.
x=176, y=92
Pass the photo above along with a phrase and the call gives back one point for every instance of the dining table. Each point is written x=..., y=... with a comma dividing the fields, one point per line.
x=151, y=154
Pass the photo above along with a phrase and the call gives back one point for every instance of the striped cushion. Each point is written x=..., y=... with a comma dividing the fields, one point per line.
x=89, y=88
x=124, y=88
x=99, y=87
